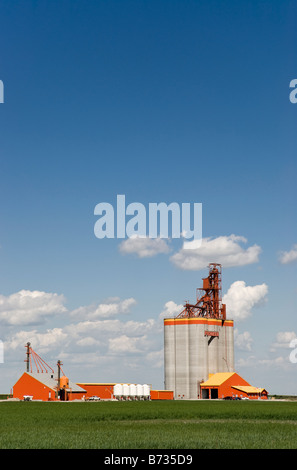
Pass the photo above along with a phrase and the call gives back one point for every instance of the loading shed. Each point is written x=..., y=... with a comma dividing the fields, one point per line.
x=162, y=395
x=102, y=390
x=226, y=385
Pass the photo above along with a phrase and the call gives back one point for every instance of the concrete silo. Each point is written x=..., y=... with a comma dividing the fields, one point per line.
x=199, y=341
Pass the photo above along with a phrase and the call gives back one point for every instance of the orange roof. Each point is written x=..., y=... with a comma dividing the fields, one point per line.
x=248, y=389
x=217, y=379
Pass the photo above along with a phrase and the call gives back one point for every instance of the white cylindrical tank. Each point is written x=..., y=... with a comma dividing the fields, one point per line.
x=132, y=391
x=126, y=390
x=139, y=391
x=146, y=391
x=118, y=390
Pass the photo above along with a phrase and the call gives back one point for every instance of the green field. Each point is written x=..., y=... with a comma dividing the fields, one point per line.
x=149, y=425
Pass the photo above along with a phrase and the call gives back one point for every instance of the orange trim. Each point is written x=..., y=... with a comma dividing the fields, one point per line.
x=198, y=321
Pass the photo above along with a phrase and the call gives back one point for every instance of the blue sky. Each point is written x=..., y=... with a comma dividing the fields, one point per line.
x=162, y=101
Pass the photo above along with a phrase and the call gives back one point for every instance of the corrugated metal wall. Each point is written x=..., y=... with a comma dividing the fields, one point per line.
x=191, y=353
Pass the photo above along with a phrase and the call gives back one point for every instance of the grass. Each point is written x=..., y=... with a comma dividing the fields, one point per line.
x=149, y=425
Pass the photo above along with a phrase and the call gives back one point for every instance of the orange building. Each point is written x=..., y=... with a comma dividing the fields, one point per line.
x=44, y=386
x=229, y=385
x=105, y=391
x=101, y=390
x=161, y=394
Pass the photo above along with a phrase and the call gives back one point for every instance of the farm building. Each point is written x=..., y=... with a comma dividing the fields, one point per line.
x=102, y=390
x=162, y=395
x=44, y=386
x=125, y=391
x=231, y=385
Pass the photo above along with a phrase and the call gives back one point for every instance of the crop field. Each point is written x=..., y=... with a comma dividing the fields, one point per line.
x=149, y=425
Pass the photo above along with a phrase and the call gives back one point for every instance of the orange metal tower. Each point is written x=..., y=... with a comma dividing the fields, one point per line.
x=209, y=301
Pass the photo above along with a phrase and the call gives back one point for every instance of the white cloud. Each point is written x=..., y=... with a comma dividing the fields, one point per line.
x=283, y=340
x=279, y=361
x=171, y=309
x=241, y=299
x=96, y=334
x=144, y=247
x=156, y=358
x=30, y=307
x=225, y=250
x=103, y=329
x=106, y=345
x=287, y=257
x=254, y=361
x=40, y=342
x=107, y=309
x=249, y=361
x=126, y=344
x=243, y=341
x=87, y=342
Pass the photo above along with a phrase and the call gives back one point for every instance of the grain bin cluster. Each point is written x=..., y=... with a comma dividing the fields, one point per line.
x=132, y=391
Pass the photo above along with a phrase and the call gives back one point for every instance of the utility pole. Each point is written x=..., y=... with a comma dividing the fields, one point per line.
x=28, y=356
x=59, y=377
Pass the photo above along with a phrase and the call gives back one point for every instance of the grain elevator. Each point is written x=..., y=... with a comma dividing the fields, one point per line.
x=199, y=341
